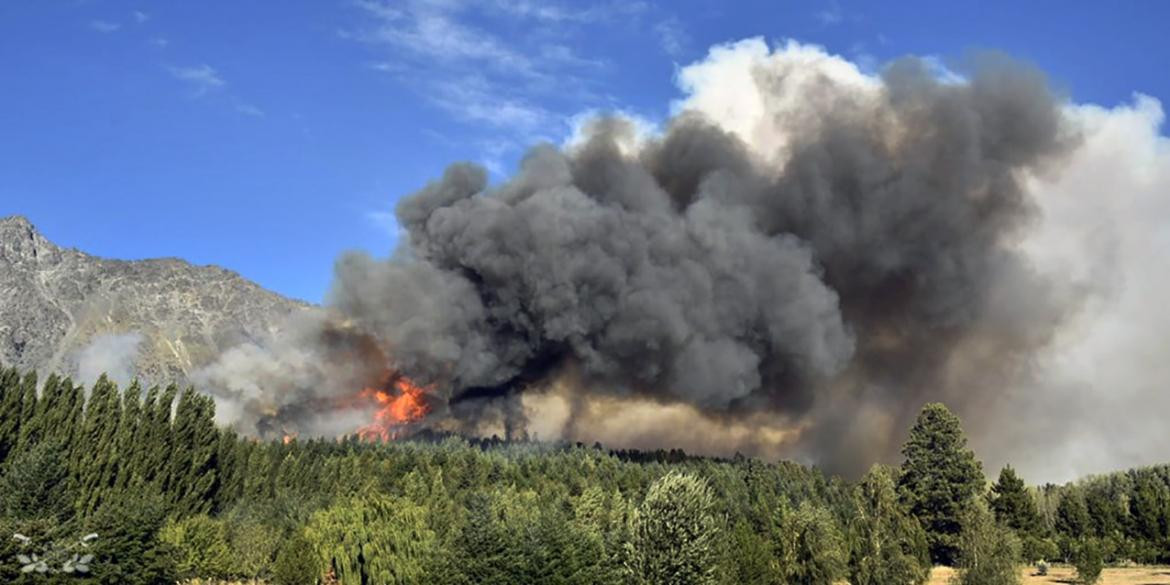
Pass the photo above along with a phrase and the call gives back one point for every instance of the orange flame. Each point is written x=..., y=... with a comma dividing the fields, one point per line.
x=403, y=403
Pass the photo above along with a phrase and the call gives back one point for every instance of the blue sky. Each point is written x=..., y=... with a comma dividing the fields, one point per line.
x=268, y=137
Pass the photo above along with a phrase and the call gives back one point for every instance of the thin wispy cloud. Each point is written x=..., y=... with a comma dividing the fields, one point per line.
x=832, y=14
x=104, y=26
x=508, y=67
x=249, y=110
x=202, y=78
x=160, y=42
x=672, y=37
x=139, y=16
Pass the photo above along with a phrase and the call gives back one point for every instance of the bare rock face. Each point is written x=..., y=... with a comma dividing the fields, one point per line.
x=58, y=306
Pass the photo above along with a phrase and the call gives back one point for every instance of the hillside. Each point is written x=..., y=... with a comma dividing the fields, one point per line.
x=58, y=305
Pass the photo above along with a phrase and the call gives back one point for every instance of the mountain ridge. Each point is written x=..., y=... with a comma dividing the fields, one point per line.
x=158, y=319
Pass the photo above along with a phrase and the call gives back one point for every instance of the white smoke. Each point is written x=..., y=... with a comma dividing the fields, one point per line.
x=113, y=354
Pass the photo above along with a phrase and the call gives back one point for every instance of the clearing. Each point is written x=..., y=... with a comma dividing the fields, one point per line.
x=1066, y=575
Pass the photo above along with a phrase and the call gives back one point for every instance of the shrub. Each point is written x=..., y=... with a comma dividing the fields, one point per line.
x=1042, y=568
x=1089, y=562
x=200, y=546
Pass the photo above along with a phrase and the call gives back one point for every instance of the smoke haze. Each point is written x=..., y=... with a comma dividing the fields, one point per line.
x=800, y=258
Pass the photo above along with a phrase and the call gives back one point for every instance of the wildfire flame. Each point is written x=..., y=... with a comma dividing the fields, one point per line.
x=399, y=403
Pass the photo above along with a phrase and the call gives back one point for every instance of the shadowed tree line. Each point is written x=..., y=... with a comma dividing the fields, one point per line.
x=171, y=496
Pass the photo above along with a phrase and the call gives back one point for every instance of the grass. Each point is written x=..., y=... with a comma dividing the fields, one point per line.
x=1067, y=575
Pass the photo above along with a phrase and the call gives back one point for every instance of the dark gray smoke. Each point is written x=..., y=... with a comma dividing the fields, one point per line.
x=868, y=268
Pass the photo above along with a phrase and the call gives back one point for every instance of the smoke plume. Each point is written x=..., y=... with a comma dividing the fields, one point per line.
x=792, y=266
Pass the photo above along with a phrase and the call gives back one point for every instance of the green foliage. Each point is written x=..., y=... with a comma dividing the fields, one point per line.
x=890, y=547
x=128, y=550
x=171, y=494
x=1089, y=561
x=676, y=533
x=988, y=552
x=200, y=547
x=374, y=538
x=1013, y=505
x=295, y=563
x=940, y=479
x=1072, y=516
x=1034, y=549
x=36, y=485
x=809, y=546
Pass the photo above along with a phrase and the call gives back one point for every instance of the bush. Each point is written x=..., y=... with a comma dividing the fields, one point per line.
x=200, y=546
x=1035, y=549
x=1042, y=568
x=295, y=563
x=1089, y=562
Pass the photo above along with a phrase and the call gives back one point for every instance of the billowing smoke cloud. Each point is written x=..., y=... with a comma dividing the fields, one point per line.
x=791, y=267
x=113, y=354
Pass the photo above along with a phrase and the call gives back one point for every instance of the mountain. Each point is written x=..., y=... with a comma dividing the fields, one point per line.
x=62, y=310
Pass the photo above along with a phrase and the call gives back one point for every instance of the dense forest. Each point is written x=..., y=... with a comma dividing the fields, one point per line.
x=102, y=485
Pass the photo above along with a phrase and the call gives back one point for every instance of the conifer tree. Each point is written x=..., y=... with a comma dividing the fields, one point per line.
x=10, y=411
x=192, y=477
x=1013, y=505
x=940, y=479
x=96, y=454
x=676, y=533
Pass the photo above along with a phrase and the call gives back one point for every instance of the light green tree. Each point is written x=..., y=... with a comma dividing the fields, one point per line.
x=676, y=533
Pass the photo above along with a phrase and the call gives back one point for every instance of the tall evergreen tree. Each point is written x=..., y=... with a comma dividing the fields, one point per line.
x=10, y=411
x=192, y=477
x=96, y=454
x=1013, y=505
x=940, y=479
x=676, y=533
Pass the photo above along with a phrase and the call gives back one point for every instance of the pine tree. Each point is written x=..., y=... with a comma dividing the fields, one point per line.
x=96, y=453
x=1013, y=505
x=940, y=479
x=192, y=477
x=676, y=533
x=28, y=408
x=10, y=411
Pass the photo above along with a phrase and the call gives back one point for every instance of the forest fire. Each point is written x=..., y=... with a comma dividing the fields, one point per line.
x=400, y=403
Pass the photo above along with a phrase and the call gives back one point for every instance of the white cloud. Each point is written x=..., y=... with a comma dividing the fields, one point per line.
x=140, y=17
x=160, y=42
x=202, y=78
x=672, y=37
x=104, y=26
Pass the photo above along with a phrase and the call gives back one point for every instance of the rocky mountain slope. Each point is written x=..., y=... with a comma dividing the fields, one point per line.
x=66, y=311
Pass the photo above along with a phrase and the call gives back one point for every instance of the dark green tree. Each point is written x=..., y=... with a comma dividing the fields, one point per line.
x=96, y=455
x=940, y=479
x=11, y=396
x=1013, y=505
